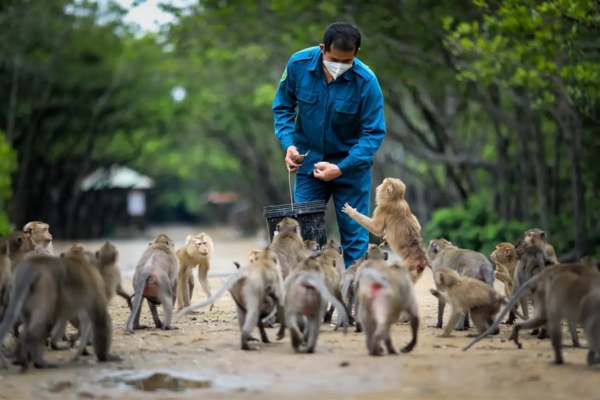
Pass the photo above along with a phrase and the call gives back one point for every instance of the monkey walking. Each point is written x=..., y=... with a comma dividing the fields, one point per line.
x=257, y=290
x=306, y=300
x=394, y=221
x=384, y=292
x=155, y=279
x=570, y=292
x=442, y=253
x=332, y=267
x=466, y=295
x=48, y=290
x=197, y=251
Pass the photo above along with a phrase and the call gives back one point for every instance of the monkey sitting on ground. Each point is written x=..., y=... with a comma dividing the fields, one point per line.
x=306, y=299
x=288, y=245
x=155, y=279
x=394, y=221
x=5, y=276
x=534, y=253
x=466, y=295
x=442, y=253
x=349, y=284
x=570, y=292
x=38, y=233
x=384, y=292
x=48, y=290
x=505, y=259
x=197, y=251
x=257, y=289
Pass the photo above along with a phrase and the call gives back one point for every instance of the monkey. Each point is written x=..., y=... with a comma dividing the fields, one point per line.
x=105, y=259
x=332, y=265
x=256, y=288
x=312, y=246
x=49, y=289
x=571, y=292
x=505, y=259
x=394, y=221
x=467, y=295
x=197, y=251
x=5, y=275
x=442, y=253
x=288, y=245
x=38, y=233
x=534, y=254
x=384, y=292
x=306, y=299
x=347, y=284
x=155, y=279
x=19, y=246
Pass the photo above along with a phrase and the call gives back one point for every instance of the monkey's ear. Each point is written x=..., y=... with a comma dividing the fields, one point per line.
x=385, y=255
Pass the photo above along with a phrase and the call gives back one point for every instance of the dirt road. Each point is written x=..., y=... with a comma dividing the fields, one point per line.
x=204, y=351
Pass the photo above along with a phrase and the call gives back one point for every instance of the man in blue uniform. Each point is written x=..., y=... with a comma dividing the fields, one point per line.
x=330, y=103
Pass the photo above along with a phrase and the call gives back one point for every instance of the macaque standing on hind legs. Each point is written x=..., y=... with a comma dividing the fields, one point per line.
x=197, y=251
x=393, y=221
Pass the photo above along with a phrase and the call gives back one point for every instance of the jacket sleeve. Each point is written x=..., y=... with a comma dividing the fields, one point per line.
x=372, y=130
x=284, y=108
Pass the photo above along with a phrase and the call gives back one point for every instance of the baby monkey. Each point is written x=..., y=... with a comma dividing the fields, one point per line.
x=467, y=295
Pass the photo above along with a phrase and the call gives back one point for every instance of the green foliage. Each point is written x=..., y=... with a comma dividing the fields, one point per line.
x=8, y=163
x=473, y=225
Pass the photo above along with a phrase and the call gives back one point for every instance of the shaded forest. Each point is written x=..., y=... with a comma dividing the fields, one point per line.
x=492, y=109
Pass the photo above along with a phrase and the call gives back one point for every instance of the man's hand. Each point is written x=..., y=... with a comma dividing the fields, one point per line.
x=292, y=151
x=326, y=171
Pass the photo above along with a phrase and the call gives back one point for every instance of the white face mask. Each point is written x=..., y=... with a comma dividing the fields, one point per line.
x=336, y=69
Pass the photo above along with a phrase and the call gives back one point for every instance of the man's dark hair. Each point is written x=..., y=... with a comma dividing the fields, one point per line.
x=343, y=35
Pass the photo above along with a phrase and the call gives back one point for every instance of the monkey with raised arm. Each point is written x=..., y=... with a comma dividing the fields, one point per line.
x=394, y=221
x=306, y=299
x=466, y=295
x=50, y=289
x=571, y=292
x=155, y=279
x=288, y=245
x=197, y=251
x=38, y=233
x=384, y=292
x=257, y=290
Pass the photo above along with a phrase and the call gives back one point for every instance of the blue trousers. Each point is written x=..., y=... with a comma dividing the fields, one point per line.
x=354, y=189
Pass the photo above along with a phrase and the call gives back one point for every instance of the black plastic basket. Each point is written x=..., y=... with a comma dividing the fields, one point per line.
x=310, y=215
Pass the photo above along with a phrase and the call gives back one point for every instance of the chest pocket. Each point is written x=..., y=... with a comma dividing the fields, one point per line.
x=346, y=119
x=307, y=103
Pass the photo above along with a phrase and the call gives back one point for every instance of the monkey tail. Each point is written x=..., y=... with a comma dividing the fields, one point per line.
x=25, y=278
x=317, y=282
x=232, y=280
x=511, y=304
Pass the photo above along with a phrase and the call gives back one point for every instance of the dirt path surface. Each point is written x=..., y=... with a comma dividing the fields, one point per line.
x=205, y=352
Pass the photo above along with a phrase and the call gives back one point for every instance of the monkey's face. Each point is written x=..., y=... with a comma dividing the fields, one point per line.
x=38, y=232
x=107, y=254
x=534, y=237
x=505, y=252
x=375, y=252
x=199, y=246
x=288, y=226
x=435, y=247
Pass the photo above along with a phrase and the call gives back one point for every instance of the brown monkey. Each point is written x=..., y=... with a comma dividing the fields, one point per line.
x=197, y=251
x=38, y=233
x=5, y=275
x=349, y=284
x=442, y=253
x=534, y=253
x=570, y=292
x=288, y=245
x=106, y=261
x=312, y=246
x=256, y=289
x=505, y=258
x=384, y=292
x=155, y=279
x=394, y=221
x=48, y=290
x=466, y=295
x=332, y=265
x=306, y=299
x=19, y=246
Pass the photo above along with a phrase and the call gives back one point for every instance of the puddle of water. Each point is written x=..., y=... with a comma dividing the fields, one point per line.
x=162, y=381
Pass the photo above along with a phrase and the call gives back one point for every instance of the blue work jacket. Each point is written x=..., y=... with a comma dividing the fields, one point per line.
x=341, y=122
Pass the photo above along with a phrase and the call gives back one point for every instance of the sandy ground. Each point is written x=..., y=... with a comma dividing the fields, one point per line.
x=205, y=350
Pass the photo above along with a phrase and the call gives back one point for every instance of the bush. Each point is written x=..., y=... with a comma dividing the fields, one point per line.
x=8, y=163
x=473, y=225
